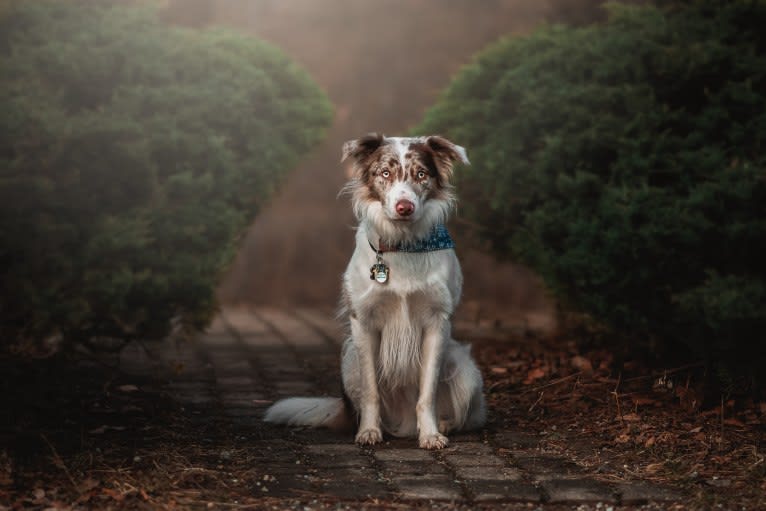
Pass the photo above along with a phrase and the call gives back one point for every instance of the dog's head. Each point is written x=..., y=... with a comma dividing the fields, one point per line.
x=402, y=184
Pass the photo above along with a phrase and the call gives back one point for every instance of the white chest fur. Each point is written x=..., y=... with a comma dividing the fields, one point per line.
x=422, y=289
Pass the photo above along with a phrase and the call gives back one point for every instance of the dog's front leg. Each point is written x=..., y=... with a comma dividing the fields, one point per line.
x=366, y=343
x=433, y=347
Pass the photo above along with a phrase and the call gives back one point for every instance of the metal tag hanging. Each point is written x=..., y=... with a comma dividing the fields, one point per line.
x=379, y=271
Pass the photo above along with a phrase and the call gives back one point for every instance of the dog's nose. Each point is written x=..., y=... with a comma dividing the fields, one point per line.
x=405, y=207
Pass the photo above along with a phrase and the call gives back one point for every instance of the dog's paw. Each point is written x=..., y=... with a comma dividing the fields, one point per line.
x=369, y=436
x=445, y=426
x=434, y=441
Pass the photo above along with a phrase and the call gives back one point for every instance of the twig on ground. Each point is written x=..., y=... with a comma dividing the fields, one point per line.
x=540, y=398
x=617, y=399
x=58, y=461
x=554, y=382
x=664, y=372
x=720, y=437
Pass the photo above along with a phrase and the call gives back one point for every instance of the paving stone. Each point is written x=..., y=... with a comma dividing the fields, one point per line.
x=244, y=321
x=238, y=403
x=262, y=340
x=488, y=473
x=326, y=323
x=341, y=462
x=397, y=468
x=338, y=456
x=189, y=386
x=234, y=368
x=347, y=474
x=544, y=466
x=235, y=382
x=578, y=490
x=293, y=388
x=241, y=395
x=516, y=440
x=360, y=490
x=473, y=460
x=194, y=398
x=403, y=455
x=474, y=448
x=217, y=340
x=334, y=450
x=251, y=411
x=428, y=487
x=505, y=491
x=641, y=493
x=296, y=332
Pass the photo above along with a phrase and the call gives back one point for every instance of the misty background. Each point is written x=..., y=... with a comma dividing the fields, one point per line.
x=382, y=63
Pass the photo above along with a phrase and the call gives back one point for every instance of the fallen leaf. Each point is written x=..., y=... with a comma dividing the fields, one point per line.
x=113, y=494
x=631, y=417
x=499, y=370
x=534, y=374
x=582, y=364
x=696, y=430
x=88, y=484
x=734, y=422
x=127, y=388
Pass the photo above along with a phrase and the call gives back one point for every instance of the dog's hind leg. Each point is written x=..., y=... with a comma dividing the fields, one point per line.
x=461, y=404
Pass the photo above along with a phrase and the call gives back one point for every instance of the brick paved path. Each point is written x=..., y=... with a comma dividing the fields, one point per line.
x=251, y=357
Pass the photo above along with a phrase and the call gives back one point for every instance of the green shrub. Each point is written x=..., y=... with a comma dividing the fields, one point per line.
x=626, y=163
x=132, y=156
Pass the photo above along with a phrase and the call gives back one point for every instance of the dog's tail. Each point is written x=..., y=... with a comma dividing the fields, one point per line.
x=314, y=412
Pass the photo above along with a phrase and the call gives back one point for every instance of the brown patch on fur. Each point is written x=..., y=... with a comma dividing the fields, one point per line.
x=361, y=151
x=438, y=187
x=444, y=155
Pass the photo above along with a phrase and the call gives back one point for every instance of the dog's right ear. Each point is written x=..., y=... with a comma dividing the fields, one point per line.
x=361, y=148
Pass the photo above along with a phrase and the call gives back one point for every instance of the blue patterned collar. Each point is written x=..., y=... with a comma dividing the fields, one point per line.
x=438, y=239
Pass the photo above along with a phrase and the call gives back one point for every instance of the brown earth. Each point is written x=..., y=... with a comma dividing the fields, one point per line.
x=177, y=425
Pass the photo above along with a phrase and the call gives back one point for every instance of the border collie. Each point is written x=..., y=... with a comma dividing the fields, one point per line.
x=402, y=372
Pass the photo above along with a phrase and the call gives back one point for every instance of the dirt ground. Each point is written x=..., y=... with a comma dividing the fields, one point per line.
x=177, y=426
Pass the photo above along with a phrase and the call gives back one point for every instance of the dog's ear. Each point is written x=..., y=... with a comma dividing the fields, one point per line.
x=361, y=148
x=447, y=150
x=445, y=155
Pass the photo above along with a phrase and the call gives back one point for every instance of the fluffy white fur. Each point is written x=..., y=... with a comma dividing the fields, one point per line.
x=402, y=371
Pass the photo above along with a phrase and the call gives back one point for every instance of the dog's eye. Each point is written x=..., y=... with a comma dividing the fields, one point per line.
x=421, y=174
x=385, y=174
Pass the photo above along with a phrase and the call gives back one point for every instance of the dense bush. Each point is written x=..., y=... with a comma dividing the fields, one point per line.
x=626, y=162
x=132, y=155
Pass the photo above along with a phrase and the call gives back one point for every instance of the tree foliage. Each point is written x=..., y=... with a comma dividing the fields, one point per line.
x=626, y=163
x=132, y=155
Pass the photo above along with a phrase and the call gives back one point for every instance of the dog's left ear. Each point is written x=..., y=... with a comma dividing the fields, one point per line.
x=447, y=150
x=445, y=154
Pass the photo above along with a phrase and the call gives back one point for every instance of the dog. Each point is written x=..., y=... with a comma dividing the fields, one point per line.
x=402, y=372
